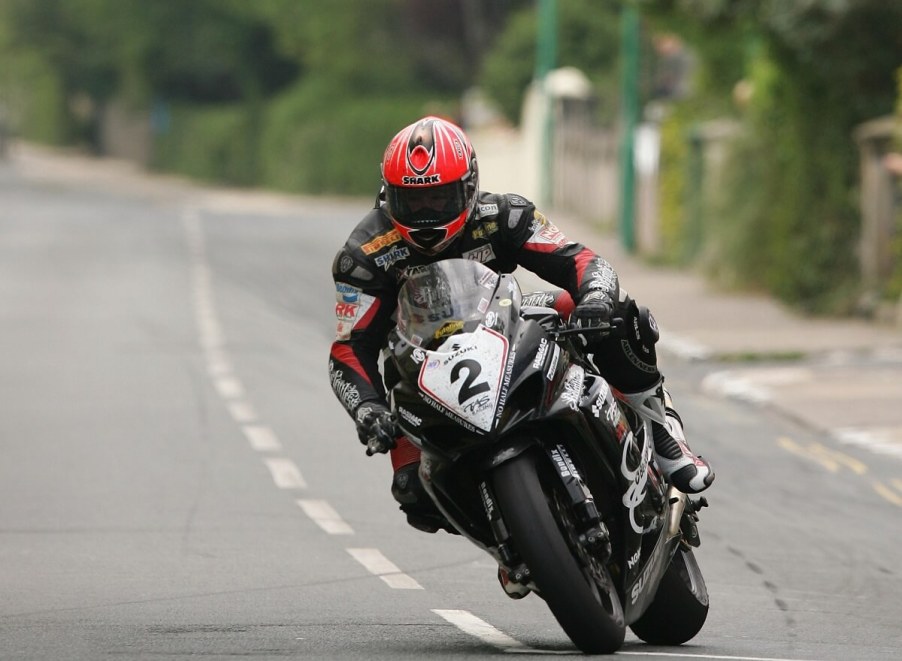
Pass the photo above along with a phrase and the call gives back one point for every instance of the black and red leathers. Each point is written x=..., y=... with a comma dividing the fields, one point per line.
x=503, y=232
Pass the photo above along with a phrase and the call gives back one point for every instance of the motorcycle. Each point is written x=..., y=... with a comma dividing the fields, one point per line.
x=530, y=454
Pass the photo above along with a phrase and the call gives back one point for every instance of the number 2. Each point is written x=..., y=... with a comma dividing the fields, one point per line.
x=468, y=389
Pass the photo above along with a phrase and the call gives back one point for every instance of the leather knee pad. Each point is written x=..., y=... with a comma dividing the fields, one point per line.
x=406, y=487
x=639, y=344
x=628, y=360
x=408, y=491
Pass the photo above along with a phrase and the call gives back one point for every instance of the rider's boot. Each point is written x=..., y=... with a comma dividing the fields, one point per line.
x=683, y=469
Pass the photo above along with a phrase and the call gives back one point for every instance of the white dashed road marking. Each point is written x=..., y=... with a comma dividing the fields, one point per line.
x=229, y=387
x=285, y=473
x=379, y=565
x=261, y=438
x=472, y=625
x=217, y=364
x=678, y=655
x=322, y=514
x=242, y=411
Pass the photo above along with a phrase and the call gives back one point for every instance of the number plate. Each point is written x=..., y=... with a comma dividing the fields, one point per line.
x=468, y=380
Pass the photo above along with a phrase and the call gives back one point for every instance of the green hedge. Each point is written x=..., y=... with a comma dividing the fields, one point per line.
x=781, y=214
x=307, y=140
x=316, y=141
x=894, y=286
x=34, y=98
x=789, y=221
x=209, y=143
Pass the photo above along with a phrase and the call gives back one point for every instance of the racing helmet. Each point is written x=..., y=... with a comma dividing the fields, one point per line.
x=430, y=179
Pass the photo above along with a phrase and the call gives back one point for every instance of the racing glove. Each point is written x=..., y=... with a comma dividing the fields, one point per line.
x=377, y=427
x=594, y=310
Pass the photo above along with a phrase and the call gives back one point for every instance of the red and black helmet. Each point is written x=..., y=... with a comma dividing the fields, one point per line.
x=431, y=182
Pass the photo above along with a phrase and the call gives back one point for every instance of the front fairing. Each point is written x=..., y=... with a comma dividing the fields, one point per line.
x=455, y=348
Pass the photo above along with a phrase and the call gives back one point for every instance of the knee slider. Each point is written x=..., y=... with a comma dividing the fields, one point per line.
x=406, y=487
x=646, y=328
x=640, y=326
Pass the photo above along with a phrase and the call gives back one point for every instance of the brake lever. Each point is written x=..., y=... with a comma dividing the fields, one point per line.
x=605, y=329
x=600, y=331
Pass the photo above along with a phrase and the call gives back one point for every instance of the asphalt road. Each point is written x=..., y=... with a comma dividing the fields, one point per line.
x=177, y=479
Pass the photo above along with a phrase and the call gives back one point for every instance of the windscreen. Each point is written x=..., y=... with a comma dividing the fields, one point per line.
x=442, y=299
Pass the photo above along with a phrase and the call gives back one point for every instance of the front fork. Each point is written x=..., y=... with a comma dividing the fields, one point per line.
x=591, y=532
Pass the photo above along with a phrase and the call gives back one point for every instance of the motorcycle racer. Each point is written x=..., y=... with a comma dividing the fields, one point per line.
x=430, y=208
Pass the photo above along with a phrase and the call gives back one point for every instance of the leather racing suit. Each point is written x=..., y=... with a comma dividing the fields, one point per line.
x=505, y=231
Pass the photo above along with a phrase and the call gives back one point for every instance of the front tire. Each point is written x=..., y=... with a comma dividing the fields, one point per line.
x=576, y=586
x=680, y=606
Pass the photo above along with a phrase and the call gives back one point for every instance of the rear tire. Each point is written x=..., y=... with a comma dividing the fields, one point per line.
x=577, y=587
x=680, y=606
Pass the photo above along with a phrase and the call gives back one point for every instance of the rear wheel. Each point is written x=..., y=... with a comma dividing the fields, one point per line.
x=680, y=606
x=576, y=585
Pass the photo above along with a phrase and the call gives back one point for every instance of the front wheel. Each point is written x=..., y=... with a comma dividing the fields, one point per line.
x=576, y=585
x=680, y=606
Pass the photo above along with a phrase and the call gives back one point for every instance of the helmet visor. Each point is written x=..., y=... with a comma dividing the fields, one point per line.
x=423, y=207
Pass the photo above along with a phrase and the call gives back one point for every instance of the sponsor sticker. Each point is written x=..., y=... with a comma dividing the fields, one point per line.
x=539, y=360
x=428, y=180
x=348, y=314
x=552, y=366
x=573, y=386
x=345, y=293
x=396, y=254
x=637, y=478
x=414, y=420
x=346, y=311
x=484, y=230
x=482, y=254
x=546, y=233
x=449, y=328
x=539, y=298
x=380, y=242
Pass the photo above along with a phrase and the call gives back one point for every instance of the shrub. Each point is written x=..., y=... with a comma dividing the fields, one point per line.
x=316, y=141
x=213, y=143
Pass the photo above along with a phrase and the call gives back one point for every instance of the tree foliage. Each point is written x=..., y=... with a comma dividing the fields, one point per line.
x=258, y=84
x=816, y=69
x=588, y=38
